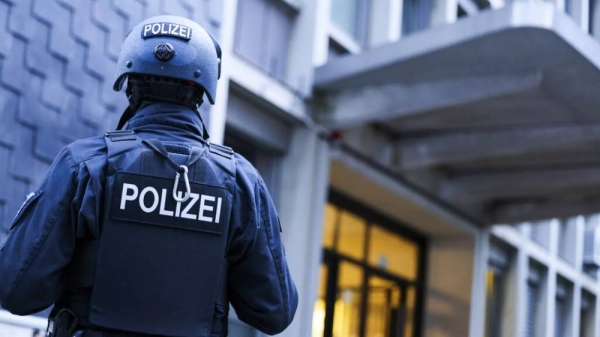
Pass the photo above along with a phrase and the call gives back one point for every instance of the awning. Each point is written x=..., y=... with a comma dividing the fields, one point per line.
x=497, y=115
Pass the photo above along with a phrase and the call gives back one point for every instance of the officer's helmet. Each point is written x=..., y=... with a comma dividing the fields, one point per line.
x=171, y=47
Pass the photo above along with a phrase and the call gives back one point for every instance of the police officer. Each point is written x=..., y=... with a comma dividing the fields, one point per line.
x=151, y=230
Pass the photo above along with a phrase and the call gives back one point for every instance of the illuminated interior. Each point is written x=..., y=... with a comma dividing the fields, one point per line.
x=371, y=263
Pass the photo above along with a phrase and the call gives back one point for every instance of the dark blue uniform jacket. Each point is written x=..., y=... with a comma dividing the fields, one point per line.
x=67, y=205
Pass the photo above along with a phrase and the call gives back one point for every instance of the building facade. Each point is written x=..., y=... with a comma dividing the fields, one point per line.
x=410, y=146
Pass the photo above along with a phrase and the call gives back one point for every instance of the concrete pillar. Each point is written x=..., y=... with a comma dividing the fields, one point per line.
x=304, y=190
x=449, y=286
x=575, y=319
x=300, y=69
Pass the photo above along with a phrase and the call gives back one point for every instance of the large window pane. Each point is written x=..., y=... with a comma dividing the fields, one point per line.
x=409, y=320
x=532, y=299
x=494, y=301
x=559, y=319
x=588, y=310
x=416, y=15
x=345, y=14
x=393, y=253
x=384, y=313
x=351, y=240
x=331, y=216
x=346, y=320
x=263, y=30
x=318, y=323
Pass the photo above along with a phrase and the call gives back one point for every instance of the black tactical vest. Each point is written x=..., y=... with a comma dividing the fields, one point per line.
x=160, y=265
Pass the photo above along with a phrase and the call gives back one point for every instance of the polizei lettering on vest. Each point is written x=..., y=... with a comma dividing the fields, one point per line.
x=166, y=29
x=209, y=207
x=147, y=199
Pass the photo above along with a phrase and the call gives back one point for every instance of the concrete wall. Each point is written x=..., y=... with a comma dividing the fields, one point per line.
x=449, y=286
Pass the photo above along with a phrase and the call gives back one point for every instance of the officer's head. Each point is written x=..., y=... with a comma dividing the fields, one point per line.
x=169, y=59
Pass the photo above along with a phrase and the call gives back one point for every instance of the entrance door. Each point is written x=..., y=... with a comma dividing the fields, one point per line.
x=386, y=308
x=382, y=308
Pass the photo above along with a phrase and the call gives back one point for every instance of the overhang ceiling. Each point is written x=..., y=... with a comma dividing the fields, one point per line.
x=497, y=115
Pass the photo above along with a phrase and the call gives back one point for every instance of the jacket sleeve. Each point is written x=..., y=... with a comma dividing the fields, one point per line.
x=40, y=244
x=261, y=289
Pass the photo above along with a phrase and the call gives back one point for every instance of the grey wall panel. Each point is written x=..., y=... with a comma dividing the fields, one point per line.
x=57, y=65
x=262, y=34
x=258, y=123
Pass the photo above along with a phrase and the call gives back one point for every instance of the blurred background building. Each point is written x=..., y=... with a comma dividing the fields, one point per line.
x=434, y=162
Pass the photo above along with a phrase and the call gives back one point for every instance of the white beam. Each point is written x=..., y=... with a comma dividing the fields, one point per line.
x=362, y=105
x=474, y=146
x=488, y=186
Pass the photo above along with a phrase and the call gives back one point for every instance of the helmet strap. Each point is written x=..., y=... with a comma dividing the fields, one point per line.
x=157, y=89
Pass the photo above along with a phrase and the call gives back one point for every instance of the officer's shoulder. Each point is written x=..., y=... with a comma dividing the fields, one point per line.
x=244, y=167
x=87, y=148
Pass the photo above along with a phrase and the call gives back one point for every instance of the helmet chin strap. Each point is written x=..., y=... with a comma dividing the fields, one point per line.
x=156, y=89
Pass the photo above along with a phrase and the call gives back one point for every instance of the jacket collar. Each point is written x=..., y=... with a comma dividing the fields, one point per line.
x=169, y=122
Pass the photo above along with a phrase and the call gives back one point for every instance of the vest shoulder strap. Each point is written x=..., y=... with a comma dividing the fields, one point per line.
x=118, y=142
x=120, y=135
x=224, y=156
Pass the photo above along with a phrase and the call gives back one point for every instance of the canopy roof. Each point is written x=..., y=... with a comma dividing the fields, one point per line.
x=496, y=115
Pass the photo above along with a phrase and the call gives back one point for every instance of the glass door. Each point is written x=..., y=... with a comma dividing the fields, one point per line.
x=386, y=310
x=346, y=308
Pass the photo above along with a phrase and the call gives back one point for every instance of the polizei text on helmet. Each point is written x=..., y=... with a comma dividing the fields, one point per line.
x=166, y=29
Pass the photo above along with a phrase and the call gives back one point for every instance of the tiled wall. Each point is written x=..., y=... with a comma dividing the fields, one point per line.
x=57, y=67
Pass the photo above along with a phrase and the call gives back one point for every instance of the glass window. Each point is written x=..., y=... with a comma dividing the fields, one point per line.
x=318, y=323
x=393, y=253
x=331, y=216
x=351, y=237
x=564, y=291
x=594, y=16
x=416, y=15
x=460, y=12
x=498, y=265
x=346, y=319
x=411, y=300
x=494, y=301
x=532, y=305
x=586, y=320
x=534, y=316
x=559, y=319
x=384, y=312
x=263, y=33
x=345, y=13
